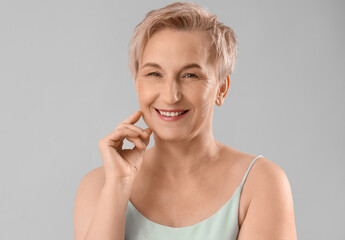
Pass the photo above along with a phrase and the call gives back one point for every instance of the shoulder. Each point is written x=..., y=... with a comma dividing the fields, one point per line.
x=262, y=170
x=269, y=181
x=90, y=184
x=93, y=178
x=270, y=213
x=86, y=199
x=266, y=171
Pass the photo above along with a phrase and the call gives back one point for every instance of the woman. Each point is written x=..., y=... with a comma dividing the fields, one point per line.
x=188, y=185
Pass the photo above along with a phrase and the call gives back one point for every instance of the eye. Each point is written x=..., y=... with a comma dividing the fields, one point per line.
x=154, y=74
x=191, y=75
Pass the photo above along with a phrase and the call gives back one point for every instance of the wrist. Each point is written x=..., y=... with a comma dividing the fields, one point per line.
x=123, y=184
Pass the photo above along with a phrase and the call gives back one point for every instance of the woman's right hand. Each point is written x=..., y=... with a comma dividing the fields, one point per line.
x=124, y=164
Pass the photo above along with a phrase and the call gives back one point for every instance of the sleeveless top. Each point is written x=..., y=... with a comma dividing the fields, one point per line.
x=222, y=225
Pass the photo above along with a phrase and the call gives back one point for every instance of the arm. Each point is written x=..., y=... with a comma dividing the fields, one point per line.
x=270, y=214
x=100, y=208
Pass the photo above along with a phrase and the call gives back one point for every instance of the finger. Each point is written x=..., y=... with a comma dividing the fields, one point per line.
x=131, y=135
x=133, y=118
x=119, y=135
x=140, y=148
x=148, y=131
x=134, y=128
x=147, y=139
x=138, y=142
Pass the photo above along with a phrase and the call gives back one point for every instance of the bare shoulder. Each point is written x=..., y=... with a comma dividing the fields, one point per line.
x=93, y=179
x=86, y=199
x=266, y=171
x=91, y=183
x=270, y=213
x=269, y=178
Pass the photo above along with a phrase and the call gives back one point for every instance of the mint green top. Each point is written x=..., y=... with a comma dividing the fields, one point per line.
x=222, y=225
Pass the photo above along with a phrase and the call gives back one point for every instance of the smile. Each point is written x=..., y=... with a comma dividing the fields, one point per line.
x=171, y=115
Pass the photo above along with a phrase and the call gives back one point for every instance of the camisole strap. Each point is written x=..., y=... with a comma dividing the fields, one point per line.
x=250, y=166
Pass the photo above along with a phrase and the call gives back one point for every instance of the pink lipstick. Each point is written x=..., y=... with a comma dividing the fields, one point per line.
x=171, y=115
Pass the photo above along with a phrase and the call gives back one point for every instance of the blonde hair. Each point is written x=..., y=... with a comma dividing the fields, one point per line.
x=186, y=16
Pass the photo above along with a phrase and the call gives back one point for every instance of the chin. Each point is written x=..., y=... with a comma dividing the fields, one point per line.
x=171, y=134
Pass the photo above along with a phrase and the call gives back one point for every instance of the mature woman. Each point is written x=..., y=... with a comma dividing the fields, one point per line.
x=188, y=185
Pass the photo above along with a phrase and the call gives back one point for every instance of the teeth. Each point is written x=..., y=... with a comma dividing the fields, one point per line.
x=170, y=114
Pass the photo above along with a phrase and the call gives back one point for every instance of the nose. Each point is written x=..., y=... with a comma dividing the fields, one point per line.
x=171, y=91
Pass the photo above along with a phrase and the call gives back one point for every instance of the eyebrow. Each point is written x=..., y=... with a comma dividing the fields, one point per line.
x=192, y=65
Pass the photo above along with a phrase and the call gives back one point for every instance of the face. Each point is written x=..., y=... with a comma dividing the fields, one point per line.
x=174, y=74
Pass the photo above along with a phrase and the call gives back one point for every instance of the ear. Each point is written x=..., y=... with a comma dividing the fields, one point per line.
x=223, y=91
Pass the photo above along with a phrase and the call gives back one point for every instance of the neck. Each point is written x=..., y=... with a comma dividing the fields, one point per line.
x=174, y=161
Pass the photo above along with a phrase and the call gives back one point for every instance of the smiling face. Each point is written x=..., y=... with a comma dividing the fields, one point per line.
x=174, y=74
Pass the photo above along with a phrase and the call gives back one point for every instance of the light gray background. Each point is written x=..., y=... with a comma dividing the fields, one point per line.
x=65, y=85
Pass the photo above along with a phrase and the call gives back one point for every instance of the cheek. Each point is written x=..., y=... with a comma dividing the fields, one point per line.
x=205, y=102
x=145, y=95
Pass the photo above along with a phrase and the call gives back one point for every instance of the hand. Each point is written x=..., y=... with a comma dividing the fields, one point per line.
x=123, y=164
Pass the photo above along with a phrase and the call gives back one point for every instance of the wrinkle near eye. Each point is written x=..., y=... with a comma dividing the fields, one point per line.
x=192, y=75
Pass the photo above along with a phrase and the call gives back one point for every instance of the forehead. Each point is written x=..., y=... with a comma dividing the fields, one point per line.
x=169, y=45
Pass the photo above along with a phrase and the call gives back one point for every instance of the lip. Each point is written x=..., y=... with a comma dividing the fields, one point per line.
x=174, y=110
x=169, y=119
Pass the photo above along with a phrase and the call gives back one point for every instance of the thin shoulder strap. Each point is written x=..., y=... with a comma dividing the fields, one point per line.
x=250, y=166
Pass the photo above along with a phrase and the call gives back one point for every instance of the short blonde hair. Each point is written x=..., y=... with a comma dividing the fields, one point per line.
x=186, y=16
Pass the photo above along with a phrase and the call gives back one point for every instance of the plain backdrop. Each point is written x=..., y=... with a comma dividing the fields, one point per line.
x=65, y=84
